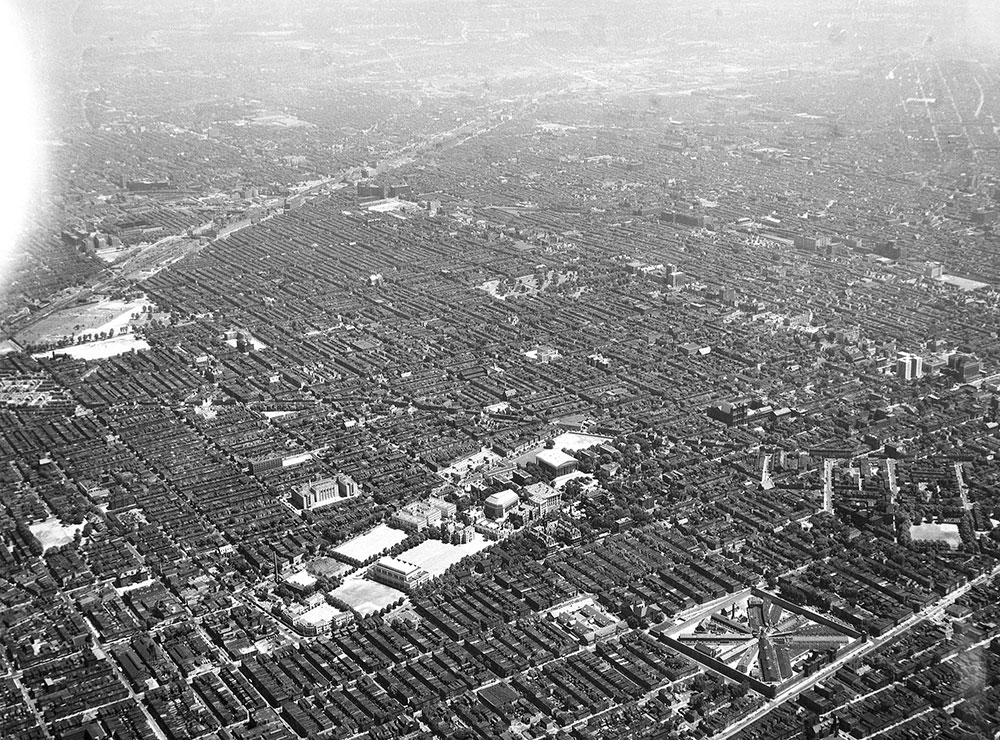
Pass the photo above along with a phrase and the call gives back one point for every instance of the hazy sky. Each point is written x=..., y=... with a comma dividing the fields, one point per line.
x=43, y=41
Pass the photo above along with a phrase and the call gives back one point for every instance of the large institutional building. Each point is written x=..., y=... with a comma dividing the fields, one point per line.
x=422, y=514
x=315, y=494
x=543, y=498
x=556, y=461
x=500, y=504
x=398, y=573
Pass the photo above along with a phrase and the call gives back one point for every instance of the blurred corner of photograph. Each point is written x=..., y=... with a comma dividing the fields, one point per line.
x=20, y=130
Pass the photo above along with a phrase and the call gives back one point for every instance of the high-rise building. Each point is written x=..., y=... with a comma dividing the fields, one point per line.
x=370, y=191
x=903, y=371
x=403, y=192
x=730, y=413
x=963, y=366
x=909, y=367
x=891, y=250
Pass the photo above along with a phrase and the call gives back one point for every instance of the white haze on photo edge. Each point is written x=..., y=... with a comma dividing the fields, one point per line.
x=21, y=152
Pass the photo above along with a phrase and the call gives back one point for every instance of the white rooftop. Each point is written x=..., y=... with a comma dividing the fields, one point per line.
x=541, y=490
x=554, y=458
x=400, y=566
x=503, y=498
